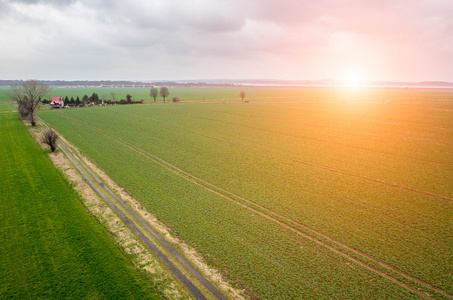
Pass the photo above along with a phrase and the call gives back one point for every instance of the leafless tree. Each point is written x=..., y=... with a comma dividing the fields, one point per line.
x=153, y=93
x=242, y=94
x=113, y=95
x=28, y=97
x=164, y=92
x=50, y=138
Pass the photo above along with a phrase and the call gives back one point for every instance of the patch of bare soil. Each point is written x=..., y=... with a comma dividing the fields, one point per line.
x=189, y=253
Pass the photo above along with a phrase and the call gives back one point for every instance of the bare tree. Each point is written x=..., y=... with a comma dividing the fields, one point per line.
x=153, y=93
x=50, y=138
x=113, y=95
x=164, y=92
x=28, y=97
x=242, y=95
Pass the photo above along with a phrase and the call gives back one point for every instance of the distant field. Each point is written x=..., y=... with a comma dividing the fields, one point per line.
x=274, y=193
x=268, y=94
x=186, y=94
x=7, y=107
x=51, y=248
x=3, y=97
x=262, y=94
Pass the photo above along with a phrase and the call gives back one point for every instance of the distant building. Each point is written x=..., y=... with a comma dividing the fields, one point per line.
x=57, y=102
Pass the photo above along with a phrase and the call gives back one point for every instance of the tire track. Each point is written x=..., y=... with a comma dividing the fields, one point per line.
x=338, y=171
x=282, y=220
x=82, y=169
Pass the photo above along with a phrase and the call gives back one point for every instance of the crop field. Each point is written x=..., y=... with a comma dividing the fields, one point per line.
x=7, y=107
x=51, y=248
x=255, y=94
x=3, y=96
x=186, y=94
x=301, y=193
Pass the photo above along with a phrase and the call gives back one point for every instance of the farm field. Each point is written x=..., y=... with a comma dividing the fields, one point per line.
x=7, y=107
x=319, y=193
x=3, y=95
x=186, y=94
x=51, y=247
x=260, y=94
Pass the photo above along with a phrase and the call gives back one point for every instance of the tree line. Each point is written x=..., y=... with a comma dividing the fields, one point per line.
x=110, y=99
x=94, y=99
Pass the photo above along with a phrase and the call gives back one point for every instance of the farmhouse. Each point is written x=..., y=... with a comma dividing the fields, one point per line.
x=57, y=102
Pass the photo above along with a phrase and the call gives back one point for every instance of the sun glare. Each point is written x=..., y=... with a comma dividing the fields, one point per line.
x=354, y=78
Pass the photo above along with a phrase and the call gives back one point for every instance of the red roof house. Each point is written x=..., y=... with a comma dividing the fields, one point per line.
x=57, y=102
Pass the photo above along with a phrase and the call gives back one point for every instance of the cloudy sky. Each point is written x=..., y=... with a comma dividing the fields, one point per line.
x=398, y=40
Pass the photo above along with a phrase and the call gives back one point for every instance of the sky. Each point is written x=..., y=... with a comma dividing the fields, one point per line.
x=383, y=40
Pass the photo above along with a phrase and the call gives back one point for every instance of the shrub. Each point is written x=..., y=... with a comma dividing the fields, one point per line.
x=50, y=138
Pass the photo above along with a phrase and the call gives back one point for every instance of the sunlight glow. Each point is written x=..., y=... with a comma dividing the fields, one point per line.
x=354, y=78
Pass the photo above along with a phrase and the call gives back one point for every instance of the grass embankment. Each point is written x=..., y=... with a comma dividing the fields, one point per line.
x=360, y=173
x=50, y=246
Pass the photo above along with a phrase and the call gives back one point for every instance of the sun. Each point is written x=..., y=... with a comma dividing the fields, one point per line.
x=353, y=78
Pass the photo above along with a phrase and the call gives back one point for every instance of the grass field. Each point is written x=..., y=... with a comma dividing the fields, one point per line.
x=260, y=94
x=51, y=248
x=186, y=94
x=294, y=200
x=7, y=107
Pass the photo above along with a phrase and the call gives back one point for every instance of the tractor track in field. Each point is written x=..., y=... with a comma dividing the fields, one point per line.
x=334, y=170
x=101, y=189
x=315, y=235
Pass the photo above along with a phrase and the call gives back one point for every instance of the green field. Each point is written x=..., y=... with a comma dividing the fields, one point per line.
x=249, y=184
x=7, y=107
x=258, y=94
x=51, y=247
x=186, y=94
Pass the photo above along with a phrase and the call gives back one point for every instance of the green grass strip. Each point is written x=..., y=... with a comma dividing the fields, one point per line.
x=50, y=246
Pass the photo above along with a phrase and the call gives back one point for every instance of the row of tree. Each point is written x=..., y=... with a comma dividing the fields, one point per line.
x=163, y=92
x=94, y=99
x=110, y=98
